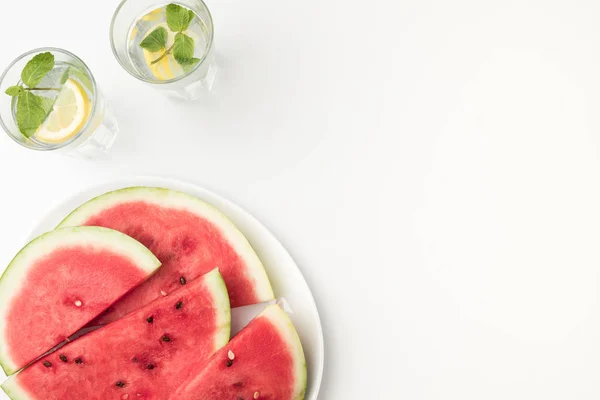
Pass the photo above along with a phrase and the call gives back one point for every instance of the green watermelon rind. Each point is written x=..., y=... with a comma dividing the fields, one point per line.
x=179, y=200
x=14, y=391
x=284, y=325
x=215, y=284
x=218, y=289
x=13, y=277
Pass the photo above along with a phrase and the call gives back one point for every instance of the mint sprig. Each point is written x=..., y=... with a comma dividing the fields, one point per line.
x=32, y=110
x=178, y=20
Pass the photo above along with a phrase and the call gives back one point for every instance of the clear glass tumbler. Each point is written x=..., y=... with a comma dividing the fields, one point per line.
x=93, y=128
x=135, y=20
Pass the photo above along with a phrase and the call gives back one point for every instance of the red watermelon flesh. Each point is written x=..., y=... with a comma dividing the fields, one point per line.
x=51, y=288
x=264, y=361
x=145, y=355
x=187, y=235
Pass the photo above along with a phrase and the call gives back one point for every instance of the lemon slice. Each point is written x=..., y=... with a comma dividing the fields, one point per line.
x=163, y=70
x=69, y=114
x=155, y=15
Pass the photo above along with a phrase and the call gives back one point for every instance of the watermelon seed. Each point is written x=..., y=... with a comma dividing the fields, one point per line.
x=120, y=384
x=182, y=280
x=238, y=385
x=229, y=363
x=150, y=319
x=163, y=292
x=165, y=338
x=256, y=394
x=231, y=355
x=134, y=359
x=150, y=366
x=240, y=398
x=179, y=305
x=125, y=396
x=78, y=303
x=78, y=360
x=47, y=364
x=63, y=358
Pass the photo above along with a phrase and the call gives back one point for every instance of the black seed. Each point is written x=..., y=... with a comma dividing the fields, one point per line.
x=47, y=364
x=150, y=319
x=182, y=280
x=78, y=360
x=240, y=398
x=120, y=384
x=229, y=363
x=63, y=358
x=150, y=366
x=165, y=338
x=179, y=305
x=238, y=385
x=134, y=359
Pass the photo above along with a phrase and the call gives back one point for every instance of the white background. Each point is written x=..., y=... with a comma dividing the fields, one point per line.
x=432, y=166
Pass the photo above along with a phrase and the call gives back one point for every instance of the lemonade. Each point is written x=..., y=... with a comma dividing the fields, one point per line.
x=150, y=64
x=50, y=101
x=169, y=46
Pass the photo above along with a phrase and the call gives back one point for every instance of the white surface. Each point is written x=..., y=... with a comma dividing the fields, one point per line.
x=432, y=166
x=289, y=286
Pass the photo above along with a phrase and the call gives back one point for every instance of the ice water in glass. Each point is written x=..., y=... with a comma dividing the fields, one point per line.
x=165, y=73
x=78, y=121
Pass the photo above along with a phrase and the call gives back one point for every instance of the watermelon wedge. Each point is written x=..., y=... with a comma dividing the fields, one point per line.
x=189, y=236
x=145, y=355
x=264, y=361
x=59, y=282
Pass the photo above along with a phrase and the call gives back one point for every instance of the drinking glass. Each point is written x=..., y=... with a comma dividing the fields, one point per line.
x=93, y=138
x=135, y=19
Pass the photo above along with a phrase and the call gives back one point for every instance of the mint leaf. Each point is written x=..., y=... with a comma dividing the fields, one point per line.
x=156, y=40
x=191, y=16
x=183, y=49
x=14, y=90
x=37, y=68
x=31, y=113
x=178, y=17
x=190, y=65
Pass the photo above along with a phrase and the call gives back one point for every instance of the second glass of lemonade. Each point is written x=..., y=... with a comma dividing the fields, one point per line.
x=49, y=101
x=166, y=44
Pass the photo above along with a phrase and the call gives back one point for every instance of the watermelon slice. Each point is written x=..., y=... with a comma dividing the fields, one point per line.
x=190, y=238
x=264, y=361
x=59, y=282
x=145, y=355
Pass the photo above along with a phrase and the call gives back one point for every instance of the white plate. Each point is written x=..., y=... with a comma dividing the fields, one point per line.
x=288, y=283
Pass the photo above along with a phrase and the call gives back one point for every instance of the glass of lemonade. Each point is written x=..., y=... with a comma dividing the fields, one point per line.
x=168, y=45
x=49, y=100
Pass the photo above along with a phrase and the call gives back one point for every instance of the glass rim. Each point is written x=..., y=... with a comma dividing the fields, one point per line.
x=159, y=82
x=53, y=146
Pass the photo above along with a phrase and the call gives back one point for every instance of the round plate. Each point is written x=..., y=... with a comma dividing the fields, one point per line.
x=289, y=285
